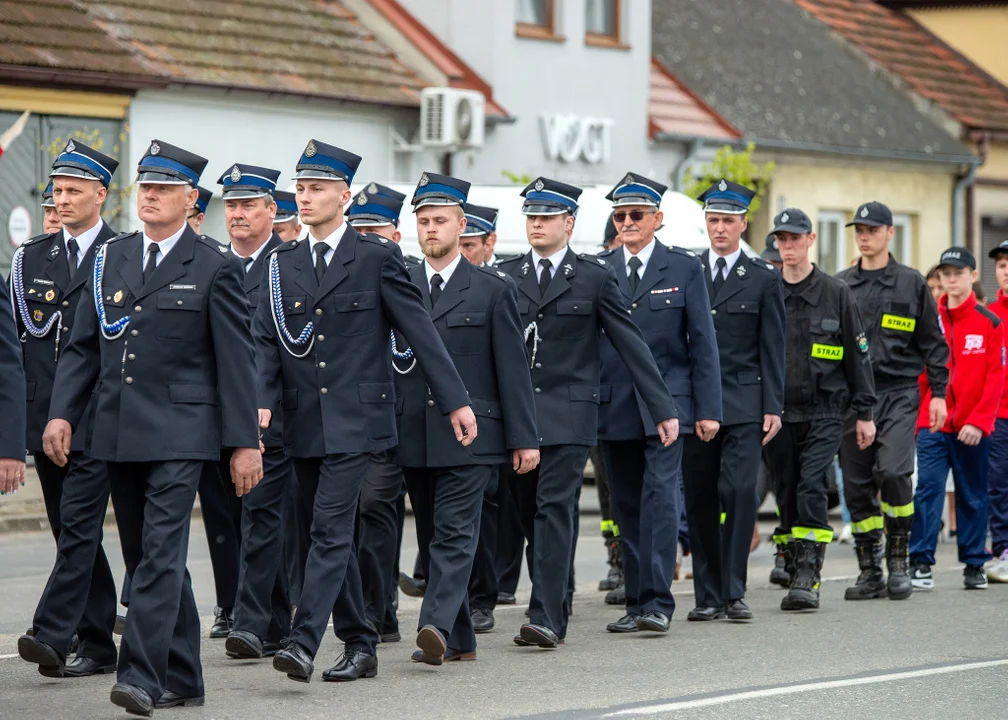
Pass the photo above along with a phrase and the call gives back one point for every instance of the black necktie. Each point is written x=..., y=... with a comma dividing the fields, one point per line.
x=72, y=249
x=435, y=289
x=544, y=276
x=248, y=263
x=719, y=278
x=635, y=265
x=152, y=251
x=320, y=263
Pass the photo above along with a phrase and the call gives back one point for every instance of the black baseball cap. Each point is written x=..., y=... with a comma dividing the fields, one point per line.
x=958, y=257
x=771, y=252
x=873, y=213
x=998, y=250
x=610, y=232
x=792, y=220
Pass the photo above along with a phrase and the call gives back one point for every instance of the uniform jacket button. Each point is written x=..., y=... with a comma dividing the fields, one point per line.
x=634, y=305
x=668, y=302
x=467, y=320
x=324, y=390
x=538, y=390
x=321, y=338
x=138, y=308
x=318, y=311
x=134, y=333
x=538, y=366
x=713, y=312
x=322, y=364
x=540, y=316
x=129, y=381
x=131, y=356
x=430, y=403
x=66, y=329
x=178, y=302
x=66, y=303
x=383, y=396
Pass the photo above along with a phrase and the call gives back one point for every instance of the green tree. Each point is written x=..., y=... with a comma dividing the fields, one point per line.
x=522, y=179
x=736, y=166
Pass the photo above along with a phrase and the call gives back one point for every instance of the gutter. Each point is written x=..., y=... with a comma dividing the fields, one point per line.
x=963, y=185
x=67, y=78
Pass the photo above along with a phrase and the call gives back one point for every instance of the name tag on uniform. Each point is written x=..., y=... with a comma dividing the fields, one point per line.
x=181, y=287
x=827, y=352
x=895, y=322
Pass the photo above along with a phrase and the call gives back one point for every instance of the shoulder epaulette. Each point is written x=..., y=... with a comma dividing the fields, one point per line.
x=212, y=244
x=40, y=238
x=123, y=235
x=493, y=272
x=761, y=263
x=508, y=261
x=285, y=246
x=606, y=253
x=376, y=239
x=681, y=251
x=995, y=320
x=595, y=260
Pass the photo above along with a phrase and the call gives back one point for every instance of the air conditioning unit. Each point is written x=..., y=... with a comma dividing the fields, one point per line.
x=451, y=118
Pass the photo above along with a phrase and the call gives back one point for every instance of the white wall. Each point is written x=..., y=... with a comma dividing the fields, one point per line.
x=258, y=130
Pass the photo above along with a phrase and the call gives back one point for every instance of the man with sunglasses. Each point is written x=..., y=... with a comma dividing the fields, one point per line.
x=747, y=306
x=565, y=299
x=666, y=291
x=197, y=214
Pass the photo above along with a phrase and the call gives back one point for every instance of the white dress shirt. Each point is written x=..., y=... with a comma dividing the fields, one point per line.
x=644, y=255
x=84, y=242
x=253, y=257
x=445, y=274
x=164, y=247
x=555, y=260
x=730, y=261
x=333, y=240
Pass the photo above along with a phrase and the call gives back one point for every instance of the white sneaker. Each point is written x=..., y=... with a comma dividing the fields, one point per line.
x=998, y=572
x=921, y=577
x=846, y=537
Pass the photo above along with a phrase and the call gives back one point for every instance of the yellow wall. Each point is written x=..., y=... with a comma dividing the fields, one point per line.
x=978, y=33
x=63, y=102
x=821, y=185
x=996, y=166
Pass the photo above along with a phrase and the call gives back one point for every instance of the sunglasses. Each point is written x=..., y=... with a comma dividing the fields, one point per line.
x=635, y=215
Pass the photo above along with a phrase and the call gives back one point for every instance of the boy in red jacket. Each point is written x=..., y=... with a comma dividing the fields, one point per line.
x=976, y=366
x=998, y=572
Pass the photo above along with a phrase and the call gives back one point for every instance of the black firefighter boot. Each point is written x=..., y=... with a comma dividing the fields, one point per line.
x=898, y=584
x=804, y=592
x=615, y=576
x=870, y=584
x=783, y=565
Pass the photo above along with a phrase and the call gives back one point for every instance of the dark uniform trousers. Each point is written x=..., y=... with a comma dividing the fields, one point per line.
x=483, y=580
x=221, y=510
x=297, y=540
x=510, y=537
x=376, y=536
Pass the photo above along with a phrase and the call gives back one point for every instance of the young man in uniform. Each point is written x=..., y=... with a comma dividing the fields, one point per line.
x=828, y=374
x=977, y=359
x=906, y=339
x=998, y=572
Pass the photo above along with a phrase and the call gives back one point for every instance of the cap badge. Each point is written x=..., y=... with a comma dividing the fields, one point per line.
x=373, y=189
x=722, y=186
x=629, y=179
x=235, y=174
x=118, y=296
x=539, y=184
x=70, y=146
x=864, y=212
x=310, y=149
x=155, y=149
x=784, y=217
x=362, y=199
x=740, y=270
x=424, y=180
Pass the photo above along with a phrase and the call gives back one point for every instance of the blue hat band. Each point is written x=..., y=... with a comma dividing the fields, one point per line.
x=650, y=195
x=373, y=209
x=548, y=197
x=286, y=207
x=478, y=223
x=728, y=195
x=326, y=164
x=153, y=163
x=249, y=182
x=201, y=205
x=83, y=162
x=437, y=189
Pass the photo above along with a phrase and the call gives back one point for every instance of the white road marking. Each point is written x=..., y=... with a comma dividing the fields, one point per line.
x=8, y=657
x=804, y=687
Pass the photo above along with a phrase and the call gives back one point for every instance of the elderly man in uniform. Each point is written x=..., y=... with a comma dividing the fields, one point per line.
x=747, y=304
x=667, y=294
x=564, y=300
x=475, y=311
x=322, y=349
x=286, y=222
x=48, y=278
x=165, y=335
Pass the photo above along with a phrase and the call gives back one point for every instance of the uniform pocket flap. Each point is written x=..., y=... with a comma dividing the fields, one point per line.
x=294, y=304
x=30, y=390
x=574, y=307
x=829, y=325
x=352, y=302
x=42, y=294
x=750, y=377
x=180, y=301
x=666, y=301
x=742, y=307
x=376, y=392
x=486, y=408
x=289, y=399
x=584, y=393
x=194, y=394
x=463, y=319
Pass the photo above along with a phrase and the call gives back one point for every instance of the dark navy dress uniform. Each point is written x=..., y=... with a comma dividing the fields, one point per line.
x=324, y=363
x=747, y=306
x=12, y=383
x=173, y=360
x=475, y=311
x=48, y=280
x=671, y=308
x=581, y=298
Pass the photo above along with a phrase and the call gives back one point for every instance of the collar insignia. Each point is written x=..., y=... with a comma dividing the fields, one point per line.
x=740, y=270
x=525, y=269
x=568, y=269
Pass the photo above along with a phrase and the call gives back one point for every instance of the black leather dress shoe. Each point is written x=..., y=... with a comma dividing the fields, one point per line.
x=85, y=667
x=134, y=700
x=538, y=635
x=520, y=641
x=74, y=645
x=50, y=662
x=170, y=700
x=506, y=598
x=223, y=623
x=296, y=662
x=414, y=587
x=433, y=644
x=242, y=644
x=653, y=622
x=702, y=614
x=353, y=664
x=482, y=620
x=120, y=624
x=449, y=656
x=272, y=647
x=626, y=624
x=738, y=611
x=617, y=596
x=390, y=637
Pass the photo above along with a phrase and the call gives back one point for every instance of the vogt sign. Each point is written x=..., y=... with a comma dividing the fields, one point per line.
x=571, y=138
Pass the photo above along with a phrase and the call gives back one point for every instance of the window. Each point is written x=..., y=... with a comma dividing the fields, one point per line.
x=536, y=19
x=831, y=241
x=902, y=242
x=602, y=17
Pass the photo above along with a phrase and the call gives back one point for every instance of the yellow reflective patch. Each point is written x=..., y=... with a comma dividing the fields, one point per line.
x=895, y=322
x=867, y=525
x=827, y=352
x=898, y=511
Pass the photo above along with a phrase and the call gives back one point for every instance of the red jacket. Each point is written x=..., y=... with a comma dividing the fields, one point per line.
x=1000, y=308
x=976, y=367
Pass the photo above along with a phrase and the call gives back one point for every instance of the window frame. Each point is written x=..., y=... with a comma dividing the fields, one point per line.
x=608, y=40
x=535, y=31
x=840, y=219
x=905, y=251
